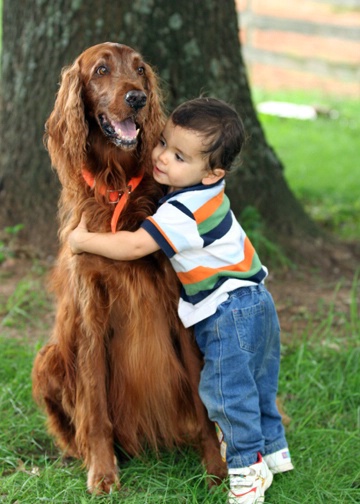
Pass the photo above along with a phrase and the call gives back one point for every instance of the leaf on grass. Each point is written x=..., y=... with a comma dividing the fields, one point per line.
x=332, y=345
x=35, y=471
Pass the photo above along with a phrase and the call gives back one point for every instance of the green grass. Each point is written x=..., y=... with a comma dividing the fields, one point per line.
x=28, y=298
x=320, y=157
x=319, y=385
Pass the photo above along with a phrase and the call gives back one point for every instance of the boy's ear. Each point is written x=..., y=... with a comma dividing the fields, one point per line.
x=213, y=176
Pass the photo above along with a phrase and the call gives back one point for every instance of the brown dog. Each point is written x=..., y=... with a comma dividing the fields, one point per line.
x=119, y=367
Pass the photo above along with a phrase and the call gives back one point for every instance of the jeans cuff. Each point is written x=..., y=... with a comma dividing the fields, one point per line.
x=280, y=444
x=244, y=460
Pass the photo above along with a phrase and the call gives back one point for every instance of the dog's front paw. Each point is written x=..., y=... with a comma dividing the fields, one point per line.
x=102, y=481
x=215, y=467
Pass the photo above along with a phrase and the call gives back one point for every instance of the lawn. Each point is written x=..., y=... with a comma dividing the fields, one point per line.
x=320, y=157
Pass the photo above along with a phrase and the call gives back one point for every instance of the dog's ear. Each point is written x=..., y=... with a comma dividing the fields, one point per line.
x=156, y=118
x=66, y=129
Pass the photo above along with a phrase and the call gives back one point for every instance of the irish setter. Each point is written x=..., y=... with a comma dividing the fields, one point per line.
x=119, y=369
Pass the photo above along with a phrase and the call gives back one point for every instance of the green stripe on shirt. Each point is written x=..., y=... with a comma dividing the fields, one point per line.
x=215, y=219
x=210, y=282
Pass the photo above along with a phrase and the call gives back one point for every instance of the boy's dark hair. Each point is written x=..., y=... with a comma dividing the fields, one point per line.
x=216, y=121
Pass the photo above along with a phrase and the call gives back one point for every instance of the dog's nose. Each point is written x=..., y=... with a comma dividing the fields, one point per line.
x=135, y=99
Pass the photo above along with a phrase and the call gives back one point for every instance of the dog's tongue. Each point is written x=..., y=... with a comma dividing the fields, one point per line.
x=126, y=129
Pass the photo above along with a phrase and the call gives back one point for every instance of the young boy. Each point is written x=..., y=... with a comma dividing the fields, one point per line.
x=223, y=294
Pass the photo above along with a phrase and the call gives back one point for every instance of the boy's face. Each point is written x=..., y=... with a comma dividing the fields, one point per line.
x=178, y=161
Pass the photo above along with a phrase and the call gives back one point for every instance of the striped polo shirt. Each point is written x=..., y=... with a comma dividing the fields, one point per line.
x=207, y=247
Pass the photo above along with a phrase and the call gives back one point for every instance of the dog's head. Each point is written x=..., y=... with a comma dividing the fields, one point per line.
x=110, y=91
x=119, y=91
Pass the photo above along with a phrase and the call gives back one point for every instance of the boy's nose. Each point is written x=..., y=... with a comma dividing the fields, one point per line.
x=163, y=157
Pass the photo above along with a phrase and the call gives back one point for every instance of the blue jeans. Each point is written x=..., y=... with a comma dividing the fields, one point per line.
x=239, y=381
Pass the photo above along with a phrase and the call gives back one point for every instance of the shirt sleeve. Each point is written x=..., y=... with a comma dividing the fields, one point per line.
x=174, y=229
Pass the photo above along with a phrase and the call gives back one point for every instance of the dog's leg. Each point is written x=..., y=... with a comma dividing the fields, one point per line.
x=215, y=466
x=94, y=431
x=49, y=390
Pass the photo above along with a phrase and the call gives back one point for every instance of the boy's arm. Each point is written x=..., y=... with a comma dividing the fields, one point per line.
x=122, y=245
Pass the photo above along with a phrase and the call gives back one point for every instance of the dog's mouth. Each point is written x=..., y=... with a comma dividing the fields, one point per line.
x=122, y=133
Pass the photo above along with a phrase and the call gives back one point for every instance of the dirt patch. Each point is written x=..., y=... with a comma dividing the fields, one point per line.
x=305, y=299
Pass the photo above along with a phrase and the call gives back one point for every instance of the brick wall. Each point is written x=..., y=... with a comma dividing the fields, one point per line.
x=305, y=44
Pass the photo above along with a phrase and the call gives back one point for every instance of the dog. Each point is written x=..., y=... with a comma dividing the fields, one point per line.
x=119, y=368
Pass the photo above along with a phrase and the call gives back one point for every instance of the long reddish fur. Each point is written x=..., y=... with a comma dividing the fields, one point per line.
x=119, y=366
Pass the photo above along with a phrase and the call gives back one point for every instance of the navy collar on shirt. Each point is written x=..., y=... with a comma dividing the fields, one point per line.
x=196, y=187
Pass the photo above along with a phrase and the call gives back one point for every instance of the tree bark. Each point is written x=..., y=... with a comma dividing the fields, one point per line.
x=196, y=50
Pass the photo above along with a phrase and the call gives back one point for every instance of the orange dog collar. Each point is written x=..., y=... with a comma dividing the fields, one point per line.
x=115, y=196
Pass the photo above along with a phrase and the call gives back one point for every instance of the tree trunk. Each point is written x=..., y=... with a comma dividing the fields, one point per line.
x=196, y=50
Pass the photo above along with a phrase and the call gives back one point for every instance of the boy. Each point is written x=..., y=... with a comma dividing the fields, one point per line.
x=223, y=295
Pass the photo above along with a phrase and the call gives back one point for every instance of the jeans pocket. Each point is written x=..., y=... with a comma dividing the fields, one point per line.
x=249, y=323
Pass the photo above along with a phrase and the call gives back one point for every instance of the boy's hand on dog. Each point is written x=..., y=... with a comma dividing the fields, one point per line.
x=78, y=236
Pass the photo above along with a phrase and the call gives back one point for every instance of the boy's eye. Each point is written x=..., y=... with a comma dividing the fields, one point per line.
x=178, y=157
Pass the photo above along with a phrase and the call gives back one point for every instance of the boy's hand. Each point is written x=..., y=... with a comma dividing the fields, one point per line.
x=78, y=236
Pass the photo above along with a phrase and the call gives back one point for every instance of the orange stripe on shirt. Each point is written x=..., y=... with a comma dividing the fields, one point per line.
x=205, y=211
x=162, y=234
x=201, y=273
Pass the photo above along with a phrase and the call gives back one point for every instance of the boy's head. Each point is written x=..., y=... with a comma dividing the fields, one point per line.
x=219, y=125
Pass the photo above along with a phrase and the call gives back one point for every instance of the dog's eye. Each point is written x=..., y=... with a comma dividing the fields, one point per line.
x=102, y=70
x=141, y=70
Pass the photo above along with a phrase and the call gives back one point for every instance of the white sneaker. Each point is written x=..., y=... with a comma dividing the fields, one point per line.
x=279, y=462
x=248, y=484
